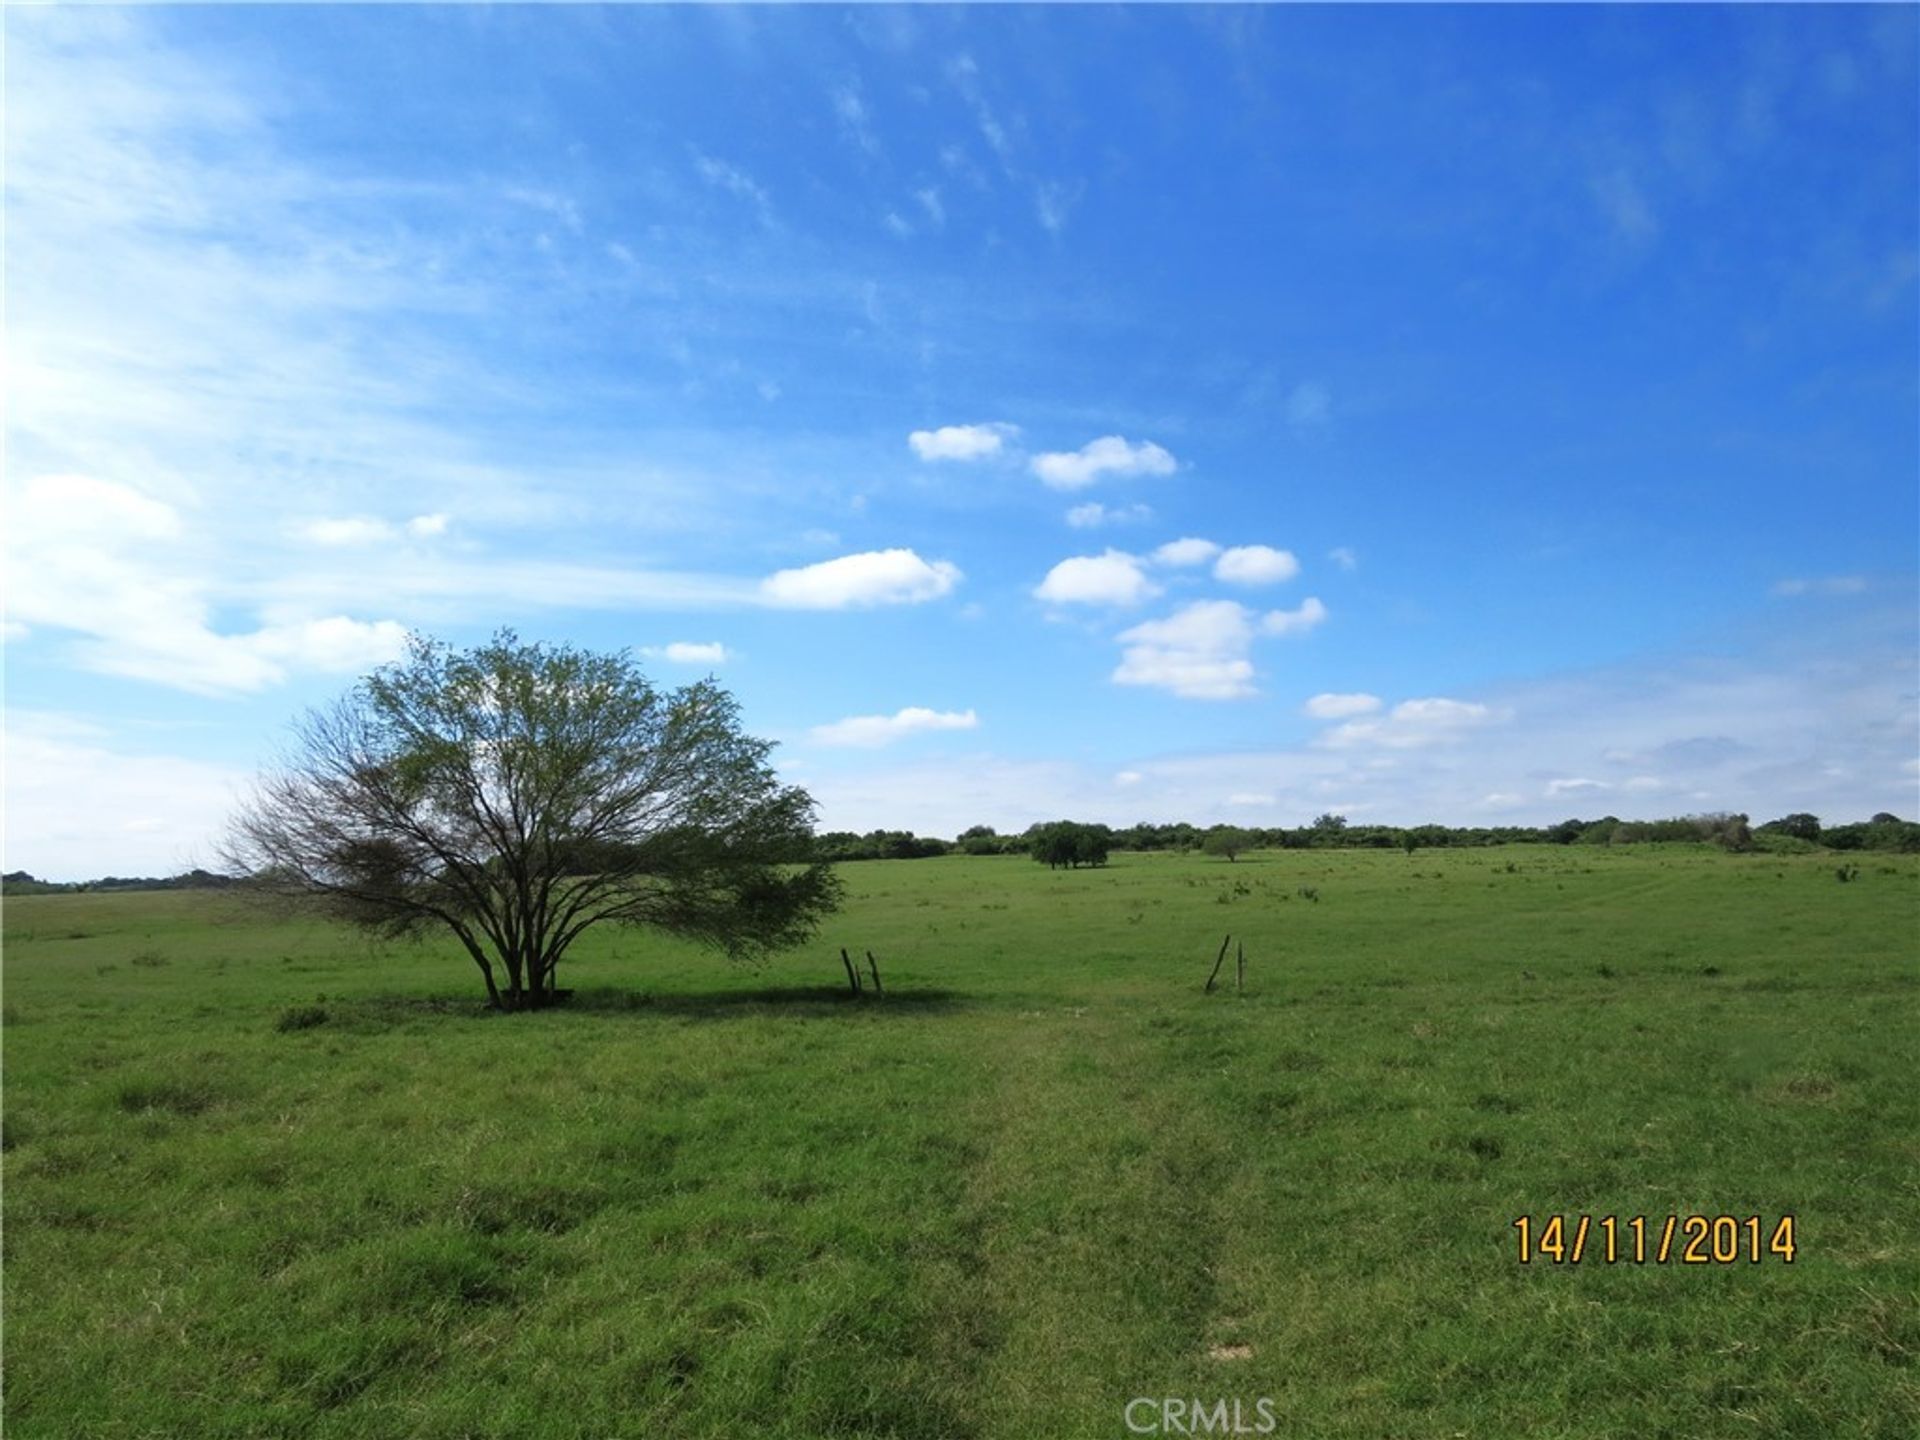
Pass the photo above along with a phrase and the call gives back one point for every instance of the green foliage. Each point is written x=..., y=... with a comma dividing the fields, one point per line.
x=518, y=795
x=1067, y=844
x=1799, y=826
x=1226, y=840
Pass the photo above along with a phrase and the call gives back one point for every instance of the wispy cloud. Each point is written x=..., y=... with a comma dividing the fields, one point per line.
x=870, y=732
x=1341, y=707
x=850, y=108
x=1093, y=515
x=1822, y=585
x=737, y=182
x=1624, y=205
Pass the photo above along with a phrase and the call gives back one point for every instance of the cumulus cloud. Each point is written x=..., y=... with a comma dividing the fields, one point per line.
x=1341, y=707
x=1186, y=552
x=1114, y=578
x=870, y=732
x=1109, y=455
x=425, y=527
x=1255, y=565
x=874, y=577
x=1297, y=621
x=1093, y=514
x=1199, y=652
x=962, y=442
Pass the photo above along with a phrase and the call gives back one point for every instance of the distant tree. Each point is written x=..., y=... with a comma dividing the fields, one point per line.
x=1328, y=829
x=518, y=795
x=1066, y=845
x=1799, y=825
x=979, y=840
x=1227, y=840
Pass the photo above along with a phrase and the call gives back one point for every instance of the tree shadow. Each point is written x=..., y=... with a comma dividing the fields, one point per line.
x=761, y=1002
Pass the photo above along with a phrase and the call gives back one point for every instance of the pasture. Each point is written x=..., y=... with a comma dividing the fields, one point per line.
x=264, y=1179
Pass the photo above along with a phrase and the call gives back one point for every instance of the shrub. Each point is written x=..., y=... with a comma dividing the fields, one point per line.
x=300, y=1017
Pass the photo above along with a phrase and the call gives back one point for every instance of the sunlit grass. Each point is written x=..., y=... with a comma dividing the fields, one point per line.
x=283, y=1183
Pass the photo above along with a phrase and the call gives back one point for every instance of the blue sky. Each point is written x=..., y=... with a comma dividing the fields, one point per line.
x=1475, y=415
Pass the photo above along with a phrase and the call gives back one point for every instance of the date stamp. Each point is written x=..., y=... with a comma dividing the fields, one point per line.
x=1655, y=1239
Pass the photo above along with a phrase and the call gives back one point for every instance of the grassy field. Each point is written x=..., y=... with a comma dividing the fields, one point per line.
x=264, y=1180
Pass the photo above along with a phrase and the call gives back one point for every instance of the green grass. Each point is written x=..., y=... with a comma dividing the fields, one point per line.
x=262, y=1179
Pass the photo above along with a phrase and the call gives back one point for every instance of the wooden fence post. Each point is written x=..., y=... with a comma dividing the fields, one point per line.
x=853, y=975
x=875, y=968
x=1218, y=961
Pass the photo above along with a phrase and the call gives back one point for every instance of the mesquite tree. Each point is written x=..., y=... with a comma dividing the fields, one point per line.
x=517, y=794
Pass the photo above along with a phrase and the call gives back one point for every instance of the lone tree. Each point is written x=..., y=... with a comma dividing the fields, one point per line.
x=1227, y=840
x=519, y=794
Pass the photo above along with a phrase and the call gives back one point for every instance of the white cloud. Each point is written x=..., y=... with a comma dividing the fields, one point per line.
x=1199, y=652
x=336, y=644
x=1093, y=514
x=870, y=732
x=1250, y=798
x=1343, y=557
x=1128, y=777
x=1109, y=455
x=1439, y=711
x=962, y=442
x=854, y=120
x=1298, y=621
x=690, y=652
x=1556, y=788
x=874, y=577
x=78, y=808
x=1255, y=565
x=1413, y=724
x=122, y=572
x=1114, y=578
x=1341, y=707
x=1186, y=552
x=350, y=530
x=426, y=526
x=930, y=202
x=1053, y=201
x=735, y=181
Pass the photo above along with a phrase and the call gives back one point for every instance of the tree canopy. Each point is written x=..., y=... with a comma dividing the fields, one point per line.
x=519, y=794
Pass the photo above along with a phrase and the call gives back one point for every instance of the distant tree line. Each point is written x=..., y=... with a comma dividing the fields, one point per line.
x=19, y=882
x=1069, y=844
